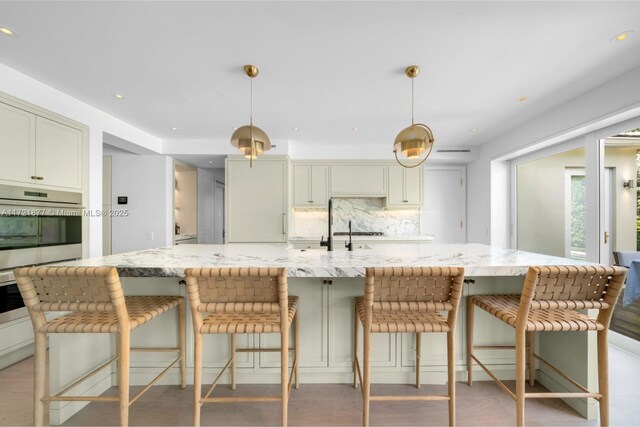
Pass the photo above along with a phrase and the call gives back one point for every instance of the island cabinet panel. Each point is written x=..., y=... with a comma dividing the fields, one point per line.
x=17, y=143
x=342, y=295
x=310, y=185
x=358, y=180
x=313, y=320
x=256, y=201
x=405, y=186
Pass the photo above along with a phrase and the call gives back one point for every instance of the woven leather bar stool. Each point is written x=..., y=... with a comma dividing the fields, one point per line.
x=407, y=299
x=242, y=301
x=97, y=304
x=549, y=300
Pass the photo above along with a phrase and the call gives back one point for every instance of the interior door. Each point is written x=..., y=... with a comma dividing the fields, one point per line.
x=218, y=215
x=443, y=215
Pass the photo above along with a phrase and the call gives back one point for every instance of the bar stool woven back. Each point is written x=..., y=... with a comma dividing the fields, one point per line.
x=408, y=299
x=550, y=297
x=242, y=301
x=97, y=304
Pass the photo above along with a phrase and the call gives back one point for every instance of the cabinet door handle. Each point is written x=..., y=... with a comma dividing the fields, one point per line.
x=284, y=216
x=310, y=201
x=40, y=178
x=34, y=177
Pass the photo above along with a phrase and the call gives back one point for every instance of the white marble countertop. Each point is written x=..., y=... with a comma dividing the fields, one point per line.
x=170, y=261
x=416, y=237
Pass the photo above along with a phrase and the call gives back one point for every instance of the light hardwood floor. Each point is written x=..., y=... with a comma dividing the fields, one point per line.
x=334, y=404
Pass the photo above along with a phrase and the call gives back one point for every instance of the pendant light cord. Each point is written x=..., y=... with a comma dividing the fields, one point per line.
x=253, y=143
x=412, y=108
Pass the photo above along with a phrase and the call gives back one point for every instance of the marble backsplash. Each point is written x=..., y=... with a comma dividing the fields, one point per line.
x=366, y=214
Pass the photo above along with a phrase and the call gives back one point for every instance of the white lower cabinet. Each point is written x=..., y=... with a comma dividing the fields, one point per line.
x=16, y=341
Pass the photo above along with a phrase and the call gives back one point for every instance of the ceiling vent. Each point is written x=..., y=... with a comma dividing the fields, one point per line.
x=454, y=150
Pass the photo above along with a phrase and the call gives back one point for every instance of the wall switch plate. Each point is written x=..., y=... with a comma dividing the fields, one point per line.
x=150, y=235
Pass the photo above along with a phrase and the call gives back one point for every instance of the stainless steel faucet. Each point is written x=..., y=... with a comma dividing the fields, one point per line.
x=329, y=242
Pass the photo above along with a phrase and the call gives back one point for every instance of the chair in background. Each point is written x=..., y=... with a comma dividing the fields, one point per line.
x=407, y=299
x=624, y=258
x=97, y=304
x=549, y=300
x=242, y=301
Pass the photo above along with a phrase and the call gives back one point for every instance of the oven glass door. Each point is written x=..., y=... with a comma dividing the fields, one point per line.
x=22, y=232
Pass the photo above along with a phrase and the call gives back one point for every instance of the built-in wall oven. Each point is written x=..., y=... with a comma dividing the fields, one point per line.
x=36, y=227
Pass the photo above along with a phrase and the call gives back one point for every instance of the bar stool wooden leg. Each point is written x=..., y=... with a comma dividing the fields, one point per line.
x=451, y=380
x=197, y=377
x=182, y=339
x=40, y=365
x=603, y=376
x=531, y=359
x=470, y=305
x=284, y=380
x=233, y=361
x=123, y=375
x=520, y=375
x=355, y=349
x=366, y=380
x=296, y=347
x=418, y=352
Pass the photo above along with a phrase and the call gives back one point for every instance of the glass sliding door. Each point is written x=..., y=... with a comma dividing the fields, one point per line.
x=621, y=220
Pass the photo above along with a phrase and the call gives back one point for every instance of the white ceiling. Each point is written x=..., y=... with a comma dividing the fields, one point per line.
x=325, y=67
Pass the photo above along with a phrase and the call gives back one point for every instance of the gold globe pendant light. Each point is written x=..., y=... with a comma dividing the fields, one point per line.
x=251, y=140
x=416, y=140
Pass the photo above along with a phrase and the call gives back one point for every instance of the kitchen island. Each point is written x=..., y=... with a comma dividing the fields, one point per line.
x=326, y=283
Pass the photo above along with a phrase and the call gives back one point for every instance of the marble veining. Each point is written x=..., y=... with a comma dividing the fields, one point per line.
x=170, y=261
x=366, y=214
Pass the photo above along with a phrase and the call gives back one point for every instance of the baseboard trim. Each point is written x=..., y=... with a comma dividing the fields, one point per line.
x=95, y=386
x=624, y=343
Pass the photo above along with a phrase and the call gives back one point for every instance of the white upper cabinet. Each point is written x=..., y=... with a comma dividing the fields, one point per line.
x=256, y=208
x=405, y=186
x=358, y=180
x=17, y=143
x=310, y=185
x=58, y=154
x=38, y=151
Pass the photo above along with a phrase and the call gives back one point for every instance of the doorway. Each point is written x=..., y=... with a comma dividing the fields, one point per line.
x=106, y=205
x=218, y=215
x=444, y=211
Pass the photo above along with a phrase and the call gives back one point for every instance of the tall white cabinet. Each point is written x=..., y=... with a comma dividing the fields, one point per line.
x=257, y=200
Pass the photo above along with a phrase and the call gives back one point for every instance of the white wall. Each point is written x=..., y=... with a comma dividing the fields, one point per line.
x=613, y=101
x=28, y=89
x=148, y=183
x=206, y=189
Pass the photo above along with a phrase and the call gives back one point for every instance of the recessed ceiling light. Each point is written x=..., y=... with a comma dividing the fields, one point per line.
x=622, y=36
x=474, y=129
x=7, y=31
x=210, y=161
x=296, y=129
x=118, y=96
x=173, y=128
x=355, y=129
x=522, y=98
